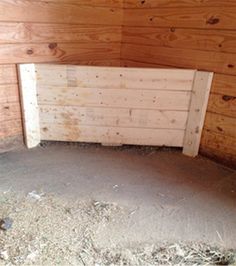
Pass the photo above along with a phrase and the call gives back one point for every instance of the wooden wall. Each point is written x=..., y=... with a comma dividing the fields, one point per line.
x=66, y=31
x=165, y=33
x=190, y=34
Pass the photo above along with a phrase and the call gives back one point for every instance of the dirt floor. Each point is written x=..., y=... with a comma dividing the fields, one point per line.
x=93, y=205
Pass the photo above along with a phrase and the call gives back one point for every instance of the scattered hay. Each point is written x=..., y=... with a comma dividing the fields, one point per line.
x=48, y=231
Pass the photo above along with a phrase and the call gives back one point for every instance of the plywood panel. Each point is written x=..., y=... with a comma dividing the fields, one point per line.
x=44, y=33
x=115, y=135
x=198, y=39
x=194, y=59
x=54, y=12
x=95, y=116
x=202, y=17
x=159, y=100
x=58, y=52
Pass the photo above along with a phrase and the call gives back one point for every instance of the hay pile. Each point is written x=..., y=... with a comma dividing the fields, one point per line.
x=50, y=231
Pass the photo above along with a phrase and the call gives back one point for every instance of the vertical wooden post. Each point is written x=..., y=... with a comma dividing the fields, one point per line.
x=198, y=105
x=28, y=92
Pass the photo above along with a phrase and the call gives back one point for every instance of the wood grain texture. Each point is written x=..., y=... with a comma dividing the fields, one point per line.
x=101, y=104
x=8, y=74
x=197, y=110
x=224, y=84
x=11, y=128
x=45, y=32
x=137, y=63
x=10, y=114
x=114, y=135
x=177, y=4
x=63, y=31
x=9, y=93
x=92, y=3
x=119, y=117
x=201, y=18
x=117, y=98
x=221, y=124
x=9, y=111
x=222, y=104
x=193, y=59
x=189, y=34
x=29, y=103
x=58, y=52
x=115, y=77
x=194, y=39
x=219, y=147
x=58, y=12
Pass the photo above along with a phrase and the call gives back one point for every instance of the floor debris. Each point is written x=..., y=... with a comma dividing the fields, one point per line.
x=6, y=223
x=53, y=231
x=34, y=195
x=4, y=255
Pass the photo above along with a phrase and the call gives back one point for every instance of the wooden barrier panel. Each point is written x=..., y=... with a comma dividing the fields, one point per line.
x=114, y=105
x=29, y=104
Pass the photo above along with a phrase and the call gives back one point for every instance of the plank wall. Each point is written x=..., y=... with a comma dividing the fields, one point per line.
x=111, y=105
x=190, y=34
x=84, y=32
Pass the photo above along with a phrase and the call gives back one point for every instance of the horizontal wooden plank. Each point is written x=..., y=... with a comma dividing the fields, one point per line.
x=222, y=104
x=193, y=59
x=9, y=111
x=221, y=124
x=122, y=78
x=44, y=33
x=92, y=97
x=219, y=146
x=54, y=12
x=92, y=3
x=224, y=84
x=58, y=52
x=9, y=93
x=8, y=74
x=177, y=3
x=115, y=135
x=119, y=117
x=10, y=128
x=202, y=17
x=207, y=40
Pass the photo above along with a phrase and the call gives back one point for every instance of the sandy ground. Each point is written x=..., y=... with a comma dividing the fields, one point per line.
x=123, y=206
